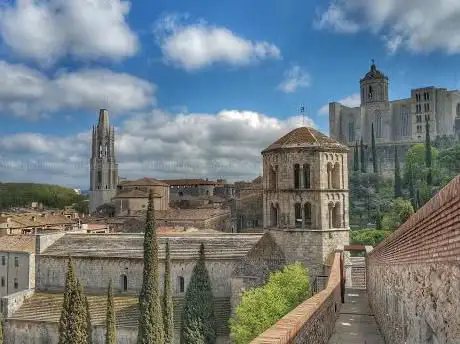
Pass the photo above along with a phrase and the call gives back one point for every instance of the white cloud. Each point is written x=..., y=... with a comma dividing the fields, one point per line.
x=351, y=101
x=48, y=30
x=157, y=144
x=416, y=25
x=197, y=45
x=294, y=78
x=27, y=92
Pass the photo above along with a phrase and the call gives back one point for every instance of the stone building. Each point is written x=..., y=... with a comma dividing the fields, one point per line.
x=248, y=206
x=305, y=195
x=103, y=166
x=398, y=123
x=193, y=187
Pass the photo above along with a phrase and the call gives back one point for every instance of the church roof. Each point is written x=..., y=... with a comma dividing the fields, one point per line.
x=134, y=194
x=305, y=137
x=374, y=74
x=146, y=181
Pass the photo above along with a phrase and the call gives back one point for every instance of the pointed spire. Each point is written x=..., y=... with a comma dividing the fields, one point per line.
x=103, y=118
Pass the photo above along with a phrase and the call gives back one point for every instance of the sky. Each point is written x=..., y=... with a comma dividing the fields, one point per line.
x=198, y=88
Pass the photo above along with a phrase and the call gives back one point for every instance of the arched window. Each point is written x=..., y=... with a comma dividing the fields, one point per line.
x=405, y=121
x=308, y=215
x=99, y=177
x=351, y=131
x=329, y=175
x=378, y=124
x=306, y=176
x=335, y=214
x=180, y=284
x=124, y=282
x=298, y=215
x=296, y=176
x=274, y=215
x=370, y=92
x=272, y=178
x=336, y=176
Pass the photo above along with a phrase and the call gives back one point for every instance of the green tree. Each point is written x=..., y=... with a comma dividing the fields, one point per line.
x=400, y=210
x=89, y=326
x=262, y=307
x=168, y=315
x=449, y=160
x=2, y=330
x=415, y=159
x=110, y=320
x=412, y=194
x=150, y=322
x=73, y=321
x=363, y=158
x=356, y=158
x=371, y=237
x=398, y=181
x=374, y=151
x=198, y=318
x=428, y=156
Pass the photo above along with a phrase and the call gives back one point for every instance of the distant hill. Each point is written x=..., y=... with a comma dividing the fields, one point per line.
x=23, y=194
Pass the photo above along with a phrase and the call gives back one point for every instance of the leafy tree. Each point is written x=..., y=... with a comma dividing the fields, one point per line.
x=400, y=210
x=262, y=307
x=356, y=158
x=82, y=207
x=378, y=220
x=167, y=300
x=89, y=326
x=429, y=177
x=374, y=152
x=415, y=159
x=110, y=320
x=363, y=158
x=398, y=181
x=449, y=161
x=412, y=193
x=198, y=318
x=150, y=322
x=106, y=209
x=371, y=237
x=73, y=321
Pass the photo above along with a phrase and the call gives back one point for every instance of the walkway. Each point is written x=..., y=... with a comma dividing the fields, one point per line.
x=356, y=323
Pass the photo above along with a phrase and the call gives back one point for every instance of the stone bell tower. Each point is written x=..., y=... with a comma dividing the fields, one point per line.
x=103, y=166
x=305, y=196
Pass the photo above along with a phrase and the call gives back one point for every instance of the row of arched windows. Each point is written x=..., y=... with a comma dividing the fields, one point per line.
x=302, y=215
x=333, y=176
x=302, y=176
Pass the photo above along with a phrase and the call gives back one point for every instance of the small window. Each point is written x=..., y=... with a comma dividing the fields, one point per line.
x=3, y=281
x=16, y=262
x=181, y=284
x=419, y=129
x=124, y=282
x=419, y=119
x=3, y=260
x=16, y=285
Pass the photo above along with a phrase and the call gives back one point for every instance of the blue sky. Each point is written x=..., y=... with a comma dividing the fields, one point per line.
x=204, y=83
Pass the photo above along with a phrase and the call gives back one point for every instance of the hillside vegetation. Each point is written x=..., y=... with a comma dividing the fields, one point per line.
x=23, y=194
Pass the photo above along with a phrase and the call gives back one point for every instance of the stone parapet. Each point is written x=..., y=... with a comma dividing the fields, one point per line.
x=413, y=276
x=312, y=321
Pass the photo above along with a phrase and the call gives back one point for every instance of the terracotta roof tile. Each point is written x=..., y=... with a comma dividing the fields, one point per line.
x=305, y=137
x=146, y=181
x=184, y=182
x=17, y=243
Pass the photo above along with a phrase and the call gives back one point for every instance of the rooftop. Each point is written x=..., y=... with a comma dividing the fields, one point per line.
x=305, y=137
x=374, y=73
x=134, y=194
x=188, y=182
x=217, y=246
x=146, y=181
x=17, y=243
x=35, y=220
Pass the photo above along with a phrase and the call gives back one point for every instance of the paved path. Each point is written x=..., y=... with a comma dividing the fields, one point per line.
x=356, y=323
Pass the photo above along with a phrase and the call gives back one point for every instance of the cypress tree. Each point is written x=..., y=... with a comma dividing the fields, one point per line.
x=429, y=177
x=378, y=221
x=73, y=323
x=198, y=319
x=398, y=182
x=89, y=327
x=110, y=324
x=2, y=324
x=356, y=158
x=150, y=321
x=167, y=300
x=363, y=160
x=419, y=200
x=374, y=151
x=412, y=193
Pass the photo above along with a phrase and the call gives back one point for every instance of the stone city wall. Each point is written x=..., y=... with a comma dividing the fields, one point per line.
x=414, y=275
x=313, y=321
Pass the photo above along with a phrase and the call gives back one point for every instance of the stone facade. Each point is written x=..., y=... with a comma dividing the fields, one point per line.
x=399, y=123
x=413, y=277
x=103, y=166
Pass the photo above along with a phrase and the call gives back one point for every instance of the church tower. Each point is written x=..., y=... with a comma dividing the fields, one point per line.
x=103, y=166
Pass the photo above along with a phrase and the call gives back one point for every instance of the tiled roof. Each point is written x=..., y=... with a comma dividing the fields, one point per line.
x=305, y=137
x=217, y=246
x=189, y=214
x=188, y=182
x=146, y=181
x=47, y=307
x=37, y=220
x=134, y=194
x=17, y=243
x=374, y=73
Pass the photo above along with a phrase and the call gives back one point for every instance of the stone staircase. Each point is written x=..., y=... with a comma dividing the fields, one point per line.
x=46, y=307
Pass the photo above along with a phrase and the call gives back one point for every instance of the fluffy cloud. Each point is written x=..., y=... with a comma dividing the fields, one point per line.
x=351, y=101
x=48, y=30
x=417, y=25
x=28, y=92
x=294, y=78
x=197, y=45
x=157, y=144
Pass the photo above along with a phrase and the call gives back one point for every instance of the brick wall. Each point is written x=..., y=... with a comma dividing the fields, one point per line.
x=414, y=275
x=312, y=322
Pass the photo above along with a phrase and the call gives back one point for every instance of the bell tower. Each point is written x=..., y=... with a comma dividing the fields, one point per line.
x=374, y=86
x=103, y=166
